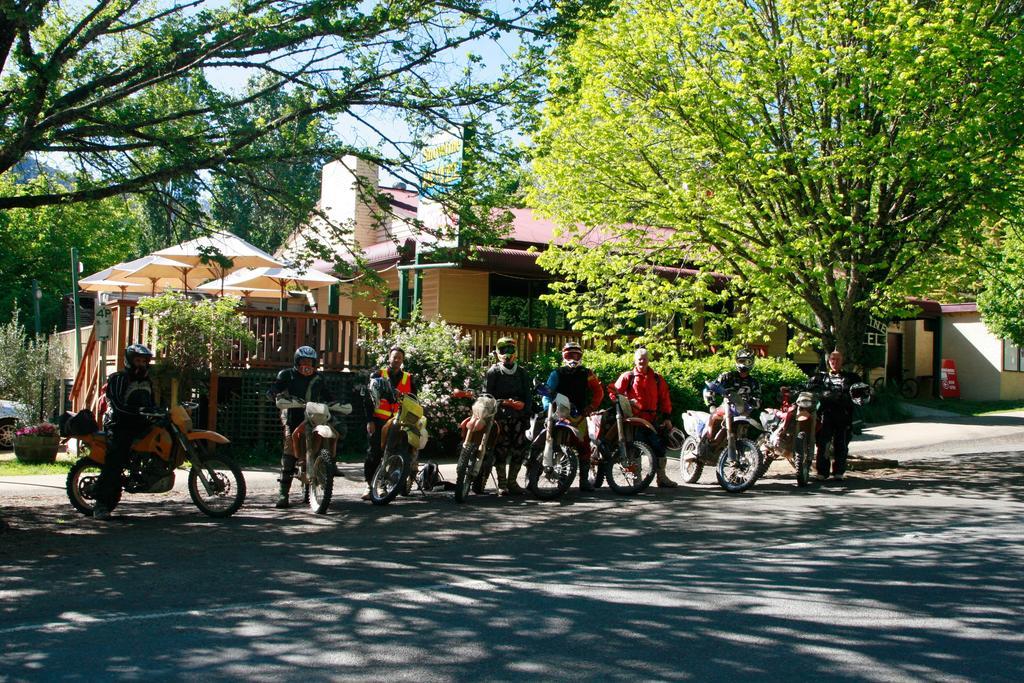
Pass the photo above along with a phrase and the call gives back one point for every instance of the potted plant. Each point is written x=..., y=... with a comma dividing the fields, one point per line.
x=37, y=443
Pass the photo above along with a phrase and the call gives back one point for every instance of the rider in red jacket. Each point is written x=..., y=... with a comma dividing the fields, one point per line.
x=647, y=391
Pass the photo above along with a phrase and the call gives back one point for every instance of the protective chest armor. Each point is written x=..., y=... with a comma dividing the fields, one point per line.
x=573, y=383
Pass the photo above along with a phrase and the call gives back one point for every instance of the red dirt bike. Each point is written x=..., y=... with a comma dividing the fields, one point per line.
x=791, y=430
x=315, y=442
x=479, y=431
x=628, y=465
x=789, y=433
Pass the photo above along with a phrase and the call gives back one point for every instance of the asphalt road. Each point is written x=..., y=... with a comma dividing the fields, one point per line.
x=908, y=574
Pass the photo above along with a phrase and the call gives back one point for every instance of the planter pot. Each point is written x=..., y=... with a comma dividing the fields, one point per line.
x=36, y=449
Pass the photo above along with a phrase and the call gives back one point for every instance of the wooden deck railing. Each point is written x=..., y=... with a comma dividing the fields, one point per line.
x=279, y=333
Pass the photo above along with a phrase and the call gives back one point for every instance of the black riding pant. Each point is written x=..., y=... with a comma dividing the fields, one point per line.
x=119, y=448
x=836, y=428
x=652, y=438
x=374, y=450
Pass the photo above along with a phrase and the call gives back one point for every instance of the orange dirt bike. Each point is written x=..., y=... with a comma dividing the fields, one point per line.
x=317, y=437
x=215, y=483
x=480, y=432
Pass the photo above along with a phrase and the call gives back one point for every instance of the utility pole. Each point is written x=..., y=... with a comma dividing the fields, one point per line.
x=74, y=298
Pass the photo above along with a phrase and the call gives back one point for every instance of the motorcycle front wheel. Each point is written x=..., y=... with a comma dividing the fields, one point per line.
x=389, y=479
x=803, y=453
x=224, y=491
x=690, y=468
x=550, y=483
x=737, y=470
x=321, y=482
x=81, y=486
x=464, y=473
x=635, y=472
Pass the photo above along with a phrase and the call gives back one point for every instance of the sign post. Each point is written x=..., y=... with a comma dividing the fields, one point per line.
x=103, y=327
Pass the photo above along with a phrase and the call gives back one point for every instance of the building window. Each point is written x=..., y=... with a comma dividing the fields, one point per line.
x=1013, y=357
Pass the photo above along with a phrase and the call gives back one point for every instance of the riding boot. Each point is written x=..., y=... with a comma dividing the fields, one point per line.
x=287, y=473
x=282, y=496
x=663, y=480
x=502, y=479
x=585, y=484
x=512, y=483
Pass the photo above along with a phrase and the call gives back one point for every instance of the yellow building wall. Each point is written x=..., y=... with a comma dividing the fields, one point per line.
x=978, y=355
x=462, y=296
x=777, y=342
x=1011, y=386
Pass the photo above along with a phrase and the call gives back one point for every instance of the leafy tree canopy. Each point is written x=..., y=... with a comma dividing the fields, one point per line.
x=822, y=153
x=1000, y=301
x=36, y=244
x=133, y=94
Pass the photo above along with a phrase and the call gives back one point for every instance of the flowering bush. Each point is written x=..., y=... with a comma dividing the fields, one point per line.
x=440, y=358
x=42, y=429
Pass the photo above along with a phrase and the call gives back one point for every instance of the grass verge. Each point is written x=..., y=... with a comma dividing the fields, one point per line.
x=962, y=407
x=14, y=468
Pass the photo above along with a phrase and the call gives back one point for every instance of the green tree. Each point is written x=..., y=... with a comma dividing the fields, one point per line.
x=265, y=204
x=37, y=245
x=1000, y=300
x=134, y=94
x=823, y=153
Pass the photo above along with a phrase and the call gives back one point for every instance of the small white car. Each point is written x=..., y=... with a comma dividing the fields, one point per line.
x=9, y=412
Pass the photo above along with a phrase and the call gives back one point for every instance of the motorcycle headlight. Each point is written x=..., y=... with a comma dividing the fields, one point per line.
x=484, y=407
x=563, y=411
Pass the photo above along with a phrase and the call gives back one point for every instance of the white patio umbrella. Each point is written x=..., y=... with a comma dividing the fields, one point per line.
x=279, y=278
x=154, y=269
x=219, y=286
x=238, y=251
x=104, y=282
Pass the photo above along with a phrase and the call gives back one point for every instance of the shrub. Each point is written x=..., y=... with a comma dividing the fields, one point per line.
x=192, y=336
x=30, y=370
x=685, y=378
x=440, y=358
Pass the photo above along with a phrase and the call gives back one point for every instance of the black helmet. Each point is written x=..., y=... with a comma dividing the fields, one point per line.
x=744, y=360
x=304, y=352
x=134, y=351
x=428, y=476
x=380, y=388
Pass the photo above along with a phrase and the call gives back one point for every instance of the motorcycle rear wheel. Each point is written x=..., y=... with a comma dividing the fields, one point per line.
x=635, y=472
x=389, y=479
x=690, y=468
x=464, y=473
x=321, y=482
x=228, y=485
x=552, y=484
x=81, y=486
x=596, y=473
x=803, y=453
x=738, y=472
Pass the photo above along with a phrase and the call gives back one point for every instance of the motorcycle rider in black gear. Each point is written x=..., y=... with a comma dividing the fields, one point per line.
x=835, y=415
x=730, y=380
x=303, y=382
x=128, y=392
x=507, y=380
